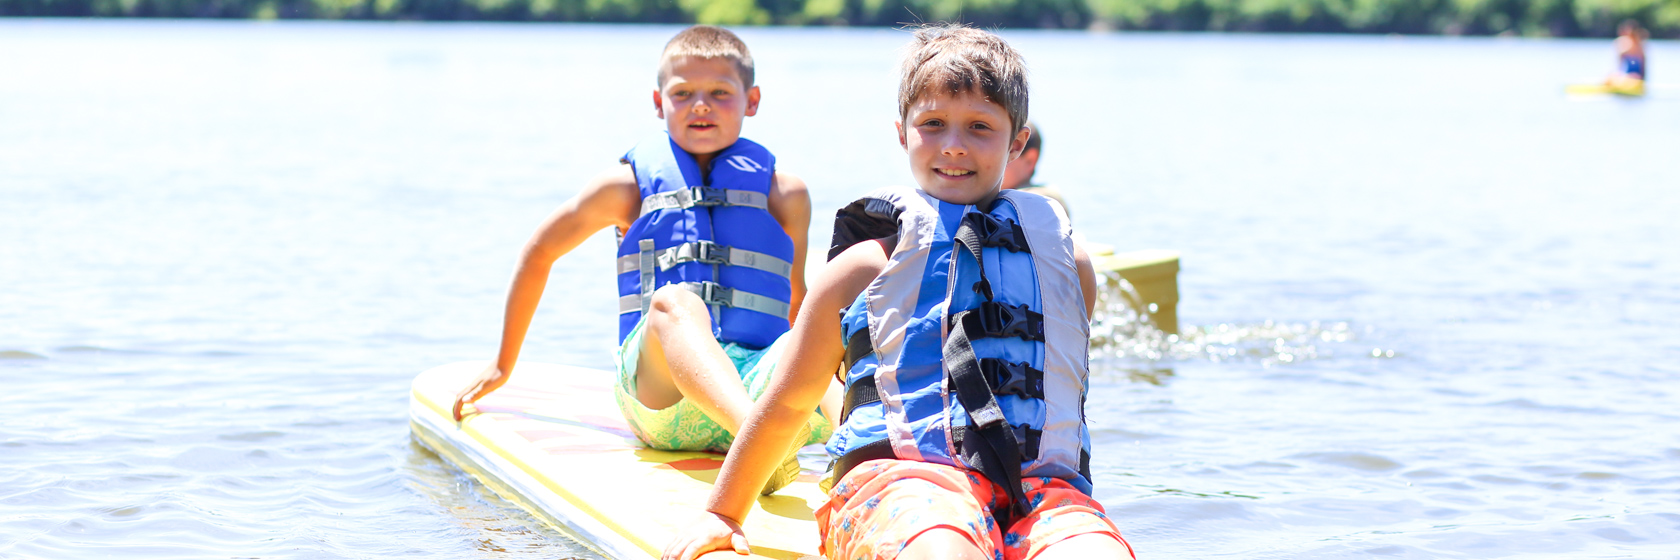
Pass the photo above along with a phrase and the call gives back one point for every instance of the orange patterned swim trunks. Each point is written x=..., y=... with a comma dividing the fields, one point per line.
x=874, y=512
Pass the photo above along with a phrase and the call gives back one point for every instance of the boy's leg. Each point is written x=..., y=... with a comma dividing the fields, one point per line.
x=1081, y=547
x=679, y=360
x=887, y=509
x=1066, y=524
x=942, y=543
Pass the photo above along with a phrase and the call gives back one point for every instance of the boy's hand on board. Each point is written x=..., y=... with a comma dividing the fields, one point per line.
x=488, y=380
x=707, y=533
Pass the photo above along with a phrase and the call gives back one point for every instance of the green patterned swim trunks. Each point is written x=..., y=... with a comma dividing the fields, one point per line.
x=682, y=426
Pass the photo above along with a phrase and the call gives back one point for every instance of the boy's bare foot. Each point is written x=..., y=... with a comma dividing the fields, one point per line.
x=784, y=475
x=789, y=471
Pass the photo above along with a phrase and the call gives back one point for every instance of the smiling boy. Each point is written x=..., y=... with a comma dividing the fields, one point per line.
x=711, y=258
x=958, y=314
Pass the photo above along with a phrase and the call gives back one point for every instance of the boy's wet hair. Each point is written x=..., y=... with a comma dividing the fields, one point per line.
x=953, y=58
x=707, y=41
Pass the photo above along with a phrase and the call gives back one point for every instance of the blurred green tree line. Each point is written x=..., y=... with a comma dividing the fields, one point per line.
x=1525, y=17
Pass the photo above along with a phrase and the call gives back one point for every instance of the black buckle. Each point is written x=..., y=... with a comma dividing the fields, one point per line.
x=711, y=253
x=1013, y=378
x=708, y=196
x=713, y=293
x=704, y=252
x=1002, y=320
x=993, y=232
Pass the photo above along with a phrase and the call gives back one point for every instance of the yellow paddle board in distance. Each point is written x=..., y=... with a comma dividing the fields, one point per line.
x=1628, y=88
x=552, y=440
x=1153, y=274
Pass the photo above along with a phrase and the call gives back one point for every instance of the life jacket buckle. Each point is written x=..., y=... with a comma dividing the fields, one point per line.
x=705, y=252
x=1013, y=378
x=994, y=232
x=708, y=196
x=713, y=293
x=1002, y=320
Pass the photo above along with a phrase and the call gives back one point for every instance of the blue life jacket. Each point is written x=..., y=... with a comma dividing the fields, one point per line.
x=1633, y=66
x=951, y=362
x=715, y=239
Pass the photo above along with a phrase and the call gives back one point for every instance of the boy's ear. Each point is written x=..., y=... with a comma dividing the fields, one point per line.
x=902, y=142
x=658, y=105
x=1020, y=143
x=752, y=100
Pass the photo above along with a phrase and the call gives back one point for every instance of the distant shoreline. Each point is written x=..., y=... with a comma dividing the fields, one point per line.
x=1563, y=18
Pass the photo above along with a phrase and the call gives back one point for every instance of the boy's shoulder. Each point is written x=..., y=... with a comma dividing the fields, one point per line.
x=619, y=179
x=786, y=184
x=612, y=195
x=789, y=200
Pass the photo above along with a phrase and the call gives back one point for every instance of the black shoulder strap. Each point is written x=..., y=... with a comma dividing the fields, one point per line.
x=862, y=220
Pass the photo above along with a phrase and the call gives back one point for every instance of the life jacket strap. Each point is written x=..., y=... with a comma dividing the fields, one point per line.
x=709, y=253
x=993, y=450
x=1002, y=378
x=882, y=449
x=878, y=449
x=1028, y=436
x=713, y=293
x=704, y=196
x=858, y=346
x=858, y=394
x=644, y=261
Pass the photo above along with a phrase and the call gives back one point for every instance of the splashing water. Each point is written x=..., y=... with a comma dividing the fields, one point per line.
x=1124, y=338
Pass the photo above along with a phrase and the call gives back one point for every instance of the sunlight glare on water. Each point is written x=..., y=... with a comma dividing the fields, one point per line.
x=1428, y=302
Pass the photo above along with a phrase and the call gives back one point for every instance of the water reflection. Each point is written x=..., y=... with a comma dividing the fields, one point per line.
x=500, y=528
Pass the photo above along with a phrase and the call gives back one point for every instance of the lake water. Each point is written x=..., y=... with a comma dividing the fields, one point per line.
x=1431, y=304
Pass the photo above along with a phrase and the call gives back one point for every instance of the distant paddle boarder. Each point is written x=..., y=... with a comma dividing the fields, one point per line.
x=1630, y=53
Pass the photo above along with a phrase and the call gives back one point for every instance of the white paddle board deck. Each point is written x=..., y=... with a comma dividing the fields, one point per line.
x=552, y=440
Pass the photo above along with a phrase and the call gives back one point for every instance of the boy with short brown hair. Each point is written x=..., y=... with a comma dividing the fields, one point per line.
x=959, y=315
x=711, y=258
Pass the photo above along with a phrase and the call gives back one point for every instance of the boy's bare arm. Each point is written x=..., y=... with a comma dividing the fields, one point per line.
x=803, y=375
x=610, y=199
x=790, y=204
x=1087, y=278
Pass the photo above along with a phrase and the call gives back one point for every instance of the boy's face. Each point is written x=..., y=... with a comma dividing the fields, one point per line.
x=959, y=146
x=703, y=102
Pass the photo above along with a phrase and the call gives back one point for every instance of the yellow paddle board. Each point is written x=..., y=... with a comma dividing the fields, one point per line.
x=552, y=440
x=1630, y=88
x=1153, y=274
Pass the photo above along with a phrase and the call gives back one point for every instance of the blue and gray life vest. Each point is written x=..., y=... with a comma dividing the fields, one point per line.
x=970, y=348
x=715, y=239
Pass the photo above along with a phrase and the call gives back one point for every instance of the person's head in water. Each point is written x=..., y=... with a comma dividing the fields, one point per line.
x=705, y=89
x=962, y=105
x=1020, y=172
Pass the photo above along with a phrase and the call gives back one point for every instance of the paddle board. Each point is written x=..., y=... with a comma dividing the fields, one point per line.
x=1629, y=88
x=1153, y=274
x=552, y=440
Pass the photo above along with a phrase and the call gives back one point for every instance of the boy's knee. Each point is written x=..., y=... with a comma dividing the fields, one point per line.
x=943, y=543
x=672, y=301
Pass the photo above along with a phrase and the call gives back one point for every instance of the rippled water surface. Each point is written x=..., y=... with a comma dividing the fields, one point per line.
x=1430, y=304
